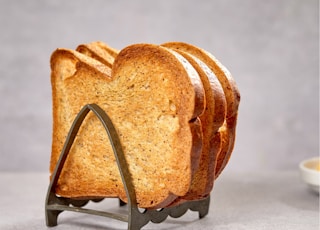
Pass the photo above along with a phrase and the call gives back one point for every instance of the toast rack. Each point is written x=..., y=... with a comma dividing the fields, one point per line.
x=136, y=219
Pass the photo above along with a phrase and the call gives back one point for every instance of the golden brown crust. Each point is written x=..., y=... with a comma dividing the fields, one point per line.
x=99, y=51
x=232, y=95
x=233, y=100
x=110, y=50
x=211, y=120
x=137, y=71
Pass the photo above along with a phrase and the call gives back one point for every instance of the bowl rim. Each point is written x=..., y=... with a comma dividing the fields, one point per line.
x=304, y=168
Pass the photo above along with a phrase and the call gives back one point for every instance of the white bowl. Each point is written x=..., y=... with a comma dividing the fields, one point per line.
x=310, y=174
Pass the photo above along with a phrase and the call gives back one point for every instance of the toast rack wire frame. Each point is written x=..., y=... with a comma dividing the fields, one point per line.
x=135, y=218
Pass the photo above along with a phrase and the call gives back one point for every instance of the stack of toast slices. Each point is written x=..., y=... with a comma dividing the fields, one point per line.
x=174, y=107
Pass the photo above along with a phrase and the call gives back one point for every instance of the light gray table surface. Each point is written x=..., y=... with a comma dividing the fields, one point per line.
x=245, y=201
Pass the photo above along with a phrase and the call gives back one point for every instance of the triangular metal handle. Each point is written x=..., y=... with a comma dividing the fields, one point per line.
x=136, y=219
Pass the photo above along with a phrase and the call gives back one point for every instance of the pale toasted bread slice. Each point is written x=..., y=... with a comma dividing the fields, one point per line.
x=99, y=51
x=228, y=130
x=154, y=99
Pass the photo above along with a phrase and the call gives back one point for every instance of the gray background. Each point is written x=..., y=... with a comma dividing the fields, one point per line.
x=270, y=47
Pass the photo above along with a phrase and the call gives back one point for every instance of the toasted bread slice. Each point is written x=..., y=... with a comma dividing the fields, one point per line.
x=212, y=119
x=93, y=49
x=112, y=51
x=99, y=51
x=228, y=130
x=65, y=65
x=154, y=98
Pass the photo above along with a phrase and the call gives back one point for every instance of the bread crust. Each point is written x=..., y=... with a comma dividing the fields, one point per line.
x=211, y=120
x=99, y=51
x=232, y=95
x=182, y=105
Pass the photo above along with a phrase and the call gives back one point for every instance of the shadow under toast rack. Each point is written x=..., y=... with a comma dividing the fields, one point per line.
x=136, y=219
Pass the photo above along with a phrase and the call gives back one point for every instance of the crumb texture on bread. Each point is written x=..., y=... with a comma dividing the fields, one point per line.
x=174, y=107
x=154, y=100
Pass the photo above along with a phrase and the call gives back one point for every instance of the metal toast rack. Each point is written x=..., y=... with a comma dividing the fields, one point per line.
x=136, y=219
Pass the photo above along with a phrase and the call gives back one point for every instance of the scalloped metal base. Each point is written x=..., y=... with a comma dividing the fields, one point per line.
x=136, y=219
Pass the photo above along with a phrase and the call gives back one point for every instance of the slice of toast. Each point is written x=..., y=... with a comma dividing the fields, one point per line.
x=228, y=130
x=99, y=51
x=154, y=98
x=212, y=119
x=93, y=50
